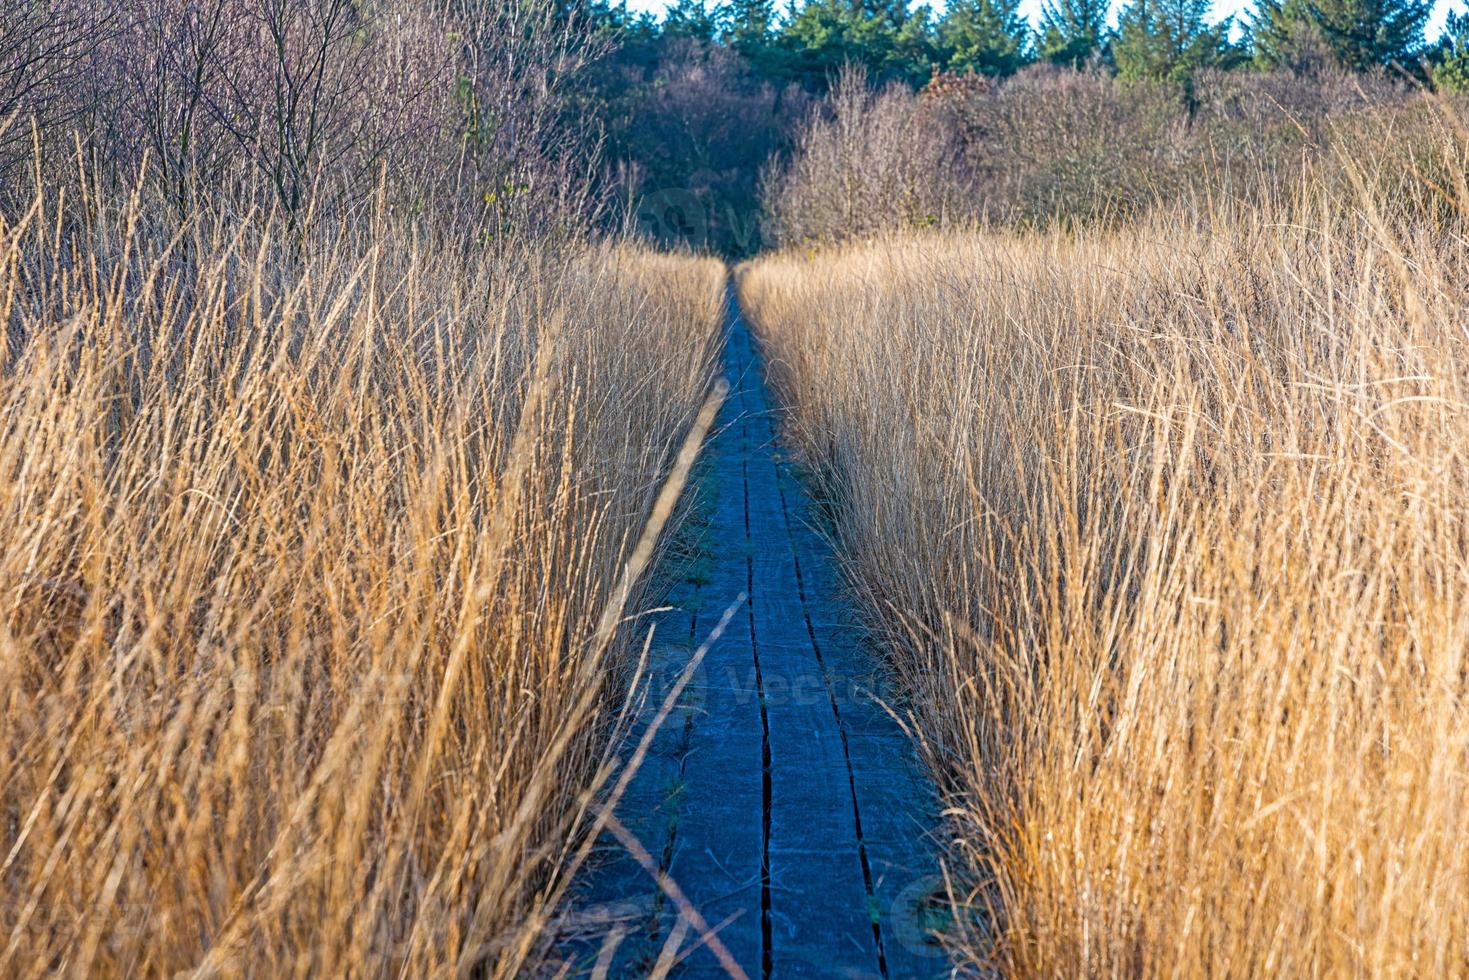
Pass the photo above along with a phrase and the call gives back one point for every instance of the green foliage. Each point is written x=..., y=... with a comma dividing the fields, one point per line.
x=1169, y=40
x=694, y=19
x=749, y=28
x=986, y=36
x=1355, y=34
x=1073, y=32
x=1284, y=34
x=1451, y=66
x=1368, y=33
x=883, y=36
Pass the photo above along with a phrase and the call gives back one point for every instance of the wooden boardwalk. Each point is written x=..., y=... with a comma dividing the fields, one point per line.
x=780, y=796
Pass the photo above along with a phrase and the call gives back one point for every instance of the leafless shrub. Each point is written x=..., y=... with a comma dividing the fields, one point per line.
x=1056, y=144
x=868, y=160
x=310, y=106
x=45, y=54
x=520, y=149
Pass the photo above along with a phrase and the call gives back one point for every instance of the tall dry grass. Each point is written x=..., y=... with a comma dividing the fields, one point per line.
x=1165, y=529
x=311, y=583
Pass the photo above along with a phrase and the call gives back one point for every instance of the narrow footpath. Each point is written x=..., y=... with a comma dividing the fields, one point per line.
x=780, y=797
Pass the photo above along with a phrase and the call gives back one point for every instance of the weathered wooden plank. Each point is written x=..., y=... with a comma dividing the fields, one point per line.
x=790, y=805
x=820, y=920
x=718, y=854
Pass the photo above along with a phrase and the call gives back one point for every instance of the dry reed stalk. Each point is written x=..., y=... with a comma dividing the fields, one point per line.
x=310, y=557
x=1164, y=527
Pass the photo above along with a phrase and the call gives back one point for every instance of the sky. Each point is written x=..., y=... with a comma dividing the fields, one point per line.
x=1032, y=8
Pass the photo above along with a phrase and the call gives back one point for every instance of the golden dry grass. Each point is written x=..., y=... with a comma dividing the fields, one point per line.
x=1164, y=527
x=309, y=556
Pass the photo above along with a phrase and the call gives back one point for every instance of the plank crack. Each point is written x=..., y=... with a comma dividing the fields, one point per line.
x=767, y=928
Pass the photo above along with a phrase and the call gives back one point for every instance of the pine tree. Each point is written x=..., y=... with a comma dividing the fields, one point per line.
x=987, y=36
x=885, y=37
x=1168, y=40
x=1284, y=34
x=692, y=18
x=1451, y=65
x=1072, y=32
x=750, y=27
x=1357, y=34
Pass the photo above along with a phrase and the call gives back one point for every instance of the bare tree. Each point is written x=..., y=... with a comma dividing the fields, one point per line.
x=175, y=55
x=316, y=104
x=519, y=152
x=44, y=49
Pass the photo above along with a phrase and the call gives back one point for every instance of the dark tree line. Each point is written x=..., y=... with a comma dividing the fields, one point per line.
x=694, y=105
x=809, y=42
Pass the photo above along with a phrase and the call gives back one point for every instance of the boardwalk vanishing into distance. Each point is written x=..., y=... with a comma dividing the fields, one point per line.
x=781, y=798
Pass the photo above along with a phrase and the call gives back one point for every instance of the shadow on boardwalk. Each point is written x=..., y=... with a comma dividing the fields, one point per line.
x=779, y=795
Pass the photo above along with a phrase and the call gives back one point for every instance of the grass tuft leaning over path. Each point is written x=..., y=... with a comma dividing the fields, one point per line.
x=1164, y=529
